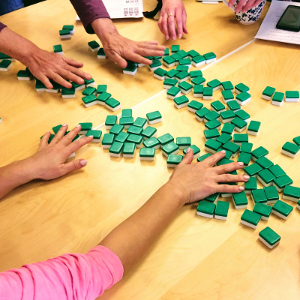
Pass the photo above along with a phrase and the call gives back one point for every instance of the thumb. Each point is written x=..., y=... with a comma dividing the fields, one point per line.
x=188, y=158
x=74, y=165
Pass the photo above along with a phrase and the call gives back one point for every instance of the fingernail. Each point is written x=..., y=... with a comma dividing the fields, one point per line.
x=241, y=188
x=78, y=125
x=188, y=150
x=64, y=125
x=223, y=151
x=246, y=177
x=241, y=163
x=48, y=132
x=180, y=36
x=83, y=162
x=167, y=37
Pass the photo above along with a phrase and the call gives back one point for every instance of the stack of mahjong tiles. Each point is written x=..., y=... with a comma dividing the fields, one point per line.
x=99, y=95
x=270, y=93
x=129, y=133
x=57, y=88
x=5, y=62
x=66, y=32
x=178, y=57
x=95, y=47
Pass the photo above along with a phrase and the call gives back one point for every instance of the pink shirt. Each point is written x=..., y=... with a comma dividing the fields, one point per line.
x=67, y=277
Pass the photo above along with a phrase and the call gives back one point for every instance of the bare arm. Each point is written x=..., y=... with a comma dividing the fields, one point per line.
x=189, y=183
x=42, y=64
x=48, y=163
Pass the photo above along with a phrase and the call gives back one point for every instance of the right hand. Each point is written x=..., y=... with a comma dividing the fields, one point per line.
x=119, y=49
x=166, y=22
x=199, y=180
x=49, y=162
x=244, y=5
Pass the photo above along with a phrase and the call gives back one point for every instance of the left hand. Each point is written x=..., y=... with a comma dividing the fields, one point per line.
x=49, y=162
x=173, y=10
x=243, y=5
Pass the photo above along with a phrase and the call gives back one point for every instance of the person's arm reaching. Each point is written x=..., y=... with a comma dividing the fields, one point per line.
x=49, y=162
x=42, y=64
x=86, y=276
x=189, y=183
x=95, y=19
x=173, y=16
x=243, y=5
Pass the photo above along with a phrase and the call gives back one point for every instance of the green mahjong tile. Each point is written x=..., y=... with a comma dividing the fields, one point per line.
x=253, y=169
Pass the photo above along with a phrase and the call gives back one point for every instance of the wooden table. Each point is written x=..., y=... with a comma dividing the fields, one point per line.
x=195, y=258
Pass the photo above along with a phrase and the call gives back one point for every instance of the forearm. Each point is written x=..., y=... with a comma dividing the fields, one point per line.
x=132, y=238
x=16, y=46
x=88, y=11
x=103, y=28
x=14, y=175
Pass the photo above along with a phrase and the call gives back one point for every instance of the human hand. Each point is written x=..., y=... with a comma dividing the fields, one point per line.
x=244, y=5
x=199, y=180
x=166, y=22
x=119, y=49
x=49, y=162
x=45, y=65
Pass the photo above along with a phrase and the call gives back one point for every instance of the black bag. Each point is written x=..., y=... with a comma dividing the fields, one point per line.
x=152, y=14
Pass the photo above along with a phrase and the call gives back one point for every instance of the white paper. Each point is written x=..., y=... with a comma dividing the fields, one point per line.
x=268, y=30
x=118, y=9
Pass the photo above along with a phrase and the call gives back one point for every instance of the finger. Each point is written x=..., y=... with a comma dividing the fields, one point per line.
x=68, y=138
x=165, y=26
x=188, y=158
x=150, y=46
x=232, y=178
x=115, y=57
x=171, y=26
x=225, y=188
x=80, y=74
x=248, y=5
x=138, y=58
x=213, y=159
x=159, y=23
x=147, y=52
x=61, y=132
x=179, y=23
x=229, y=167
x=184, y=18
x=230, y=3
x=72, y=166
x=44, y=140
x=72, y=62
x=73, y=147
x=45, y=80
x=67, y=74
x=240, y=6
x=58, y=79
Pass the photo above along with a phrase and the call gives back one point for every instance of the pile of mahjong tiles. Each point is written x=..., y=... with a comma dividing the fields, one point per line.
x=91, y=95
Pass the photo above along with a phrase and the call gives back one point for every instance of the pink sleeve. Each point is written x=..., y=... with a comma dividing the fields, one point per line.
x=67, y=277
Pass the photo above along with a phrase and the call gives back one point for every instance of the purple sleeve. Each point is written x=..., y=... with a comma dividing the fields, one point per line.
x=88, y=11
x=68, y=277
x=2, y=26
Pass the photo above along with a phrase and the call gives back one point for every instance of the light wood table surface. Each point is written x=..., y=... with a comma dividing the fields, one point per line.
x=195, y=258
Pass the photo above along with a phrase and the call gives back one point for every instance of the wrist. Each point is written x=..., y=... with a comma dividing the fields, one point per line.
x=178, y=192
x=104, y=27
